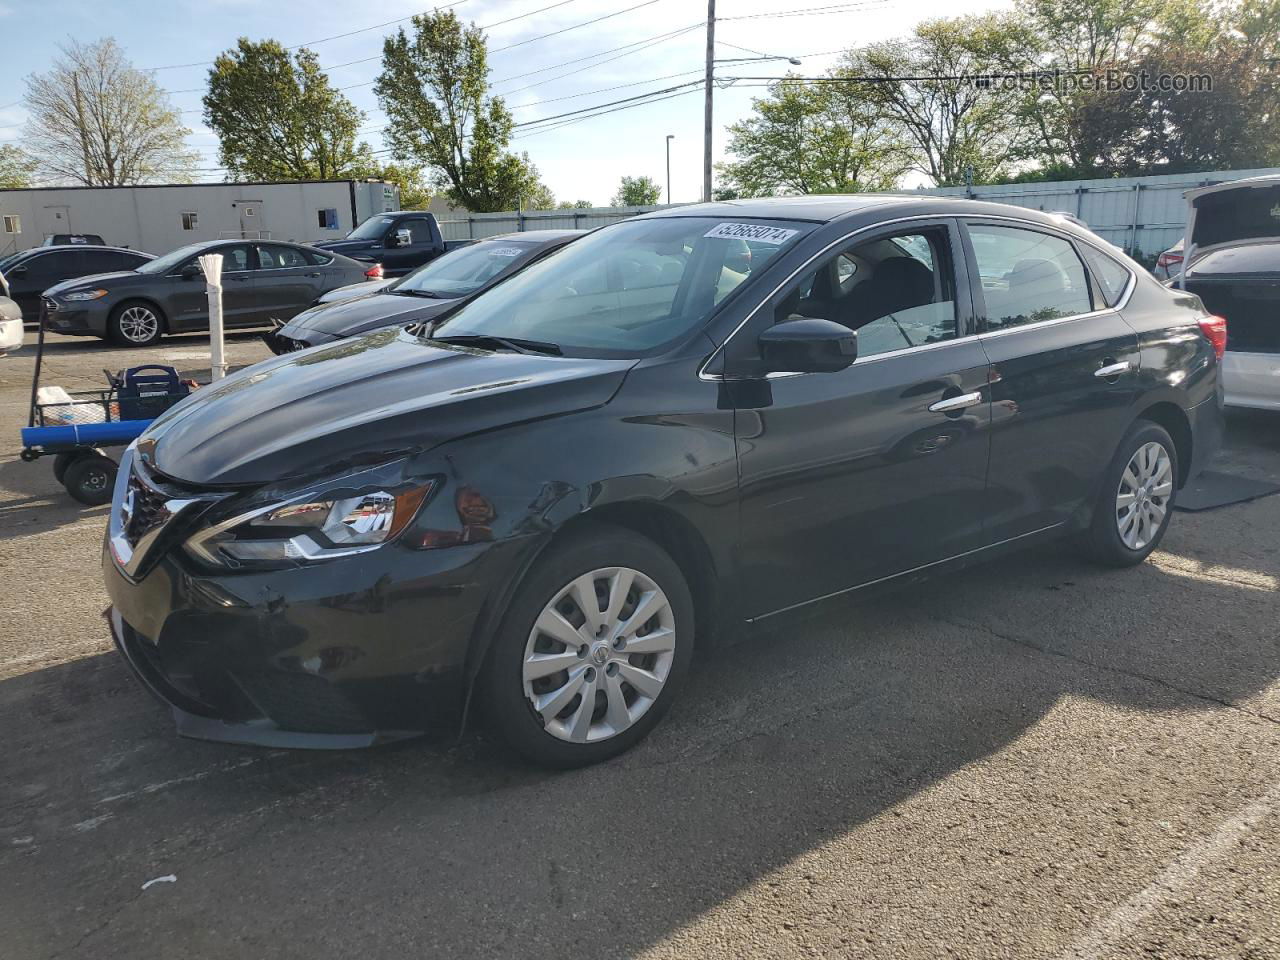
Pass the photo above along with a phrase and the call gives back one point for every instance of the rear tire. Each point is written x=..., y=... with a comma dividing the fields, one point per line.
x=90, y=479
x=566, y=695
x=135, y=324
x=1135, y=502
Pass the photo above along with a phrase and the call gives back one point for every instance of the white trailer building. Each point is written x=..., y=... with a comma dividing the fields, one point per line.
x=159, y=218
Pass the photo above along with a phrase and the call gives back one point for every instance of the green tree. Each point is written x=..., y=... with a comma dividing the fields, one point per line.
x=813, y=138
x=637, y=192
x=953, y=125
x=277, y=117
x=434, y=89
x=96, y=120
x=16, y=168
x=574, y=205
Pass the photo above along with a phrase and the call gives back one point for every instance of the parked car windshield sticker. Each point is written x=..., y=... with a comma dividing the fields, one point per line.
x=505, y=252
x=751, y=231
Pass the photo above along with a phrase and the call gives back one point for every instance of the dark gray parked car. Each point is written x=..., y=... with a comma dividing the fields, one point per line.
x=424, y=294
x=262, y=282
x=31, y=272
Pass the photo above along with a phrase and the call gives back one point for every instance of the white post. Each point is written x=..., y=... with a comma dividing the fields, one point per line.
x=211, y=264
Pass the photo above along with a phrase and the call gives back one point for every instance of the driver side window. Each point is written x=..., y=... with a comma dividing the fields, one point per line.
x=896, y=292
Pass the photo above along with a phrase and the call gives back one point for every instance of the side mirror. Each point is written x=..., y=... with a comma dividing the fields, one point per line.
x=808, y=345
x=401, y=238
x=191, y=271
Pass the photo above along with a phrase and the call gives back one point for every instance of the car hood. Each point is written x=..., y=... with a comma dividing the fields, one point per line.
x=353, y=290
x=363, y=400
x=113, y=280
x=358, y=314
x=348, y=246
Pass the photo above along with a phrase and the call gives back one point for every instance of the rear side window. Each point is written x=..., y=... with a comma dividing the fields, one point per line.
x=1110, y=276
x=274, y=258
x=100, y=261
x=1028, y=276
x=131, y=261
x=316, y=258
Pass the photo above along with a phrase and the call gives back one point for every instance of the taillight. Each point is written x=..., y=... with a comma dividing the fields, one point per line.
x=374, y=272
x=1167, y=260
x=1215, y=328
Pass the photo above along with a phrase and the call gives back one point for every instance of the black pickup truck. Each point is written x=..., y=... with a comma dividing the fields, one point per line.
x=401, y=241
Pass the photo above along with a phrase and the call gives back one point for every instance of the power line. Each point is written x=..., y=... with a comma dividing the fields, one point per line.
x=659, y=37
x=576, y=26
x=621, y=86
x=808, y=11
x=631, y=106
x=639, y=96
x=312, y=43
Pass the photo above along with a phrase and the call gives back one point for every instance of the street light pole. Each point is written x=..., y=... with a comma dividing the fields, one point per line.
x=670, y=137
x=706, y=119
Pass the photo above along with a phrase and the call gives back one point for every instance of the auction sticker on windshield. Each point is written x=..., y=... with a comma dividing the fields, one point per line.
x=751, y=231
x=506, y=252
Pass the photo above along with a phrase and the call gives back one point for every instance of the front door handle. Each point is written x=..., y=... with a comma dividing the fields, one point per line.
x=952, y=404
x=1113, y=369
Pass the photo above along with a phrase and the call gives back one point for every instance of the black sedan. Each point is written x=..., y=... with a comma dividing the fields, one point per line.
x=424, y=294
x=262, y=282
x=30, y=272
x=647, y=442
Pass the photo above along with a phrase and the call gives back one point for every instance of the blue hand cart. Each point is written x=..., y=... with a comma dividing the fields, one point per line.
x=75, y=431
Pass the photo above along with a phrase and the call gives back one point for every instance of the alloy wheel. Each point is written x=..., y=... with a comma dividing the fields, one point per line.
x=599, y=654
x=1144, y=495
x=138, y=324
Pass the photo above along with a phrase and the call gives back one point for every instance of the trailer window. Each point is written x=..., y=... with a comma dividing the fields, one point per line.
x=12, y=224
x=189, y=219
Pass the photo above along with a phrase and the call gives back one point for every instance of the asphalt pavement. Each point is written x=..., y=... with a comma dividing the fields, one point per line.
x=1033, y=758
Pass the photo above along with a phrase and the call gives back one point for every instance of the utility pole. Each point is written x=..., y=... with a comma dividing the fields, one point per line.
x=670, y=137
x=706, y=122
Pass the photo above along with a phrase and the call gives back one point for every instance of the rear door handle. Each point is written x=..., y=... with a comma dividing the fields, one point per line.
x=952, y=404
x=1113, y=369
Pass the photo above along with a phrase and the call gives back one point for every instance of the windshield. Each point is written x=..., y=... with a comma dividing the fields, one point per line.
x=628, y=288
x=375, y=228
x=169, y=262
x=465, y=270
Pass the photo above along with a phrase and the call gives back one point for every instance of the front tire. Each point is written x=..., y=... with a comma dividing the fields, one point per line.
x=135, y=324
x=1135, y=503
x=592, y=650
x=90, y=479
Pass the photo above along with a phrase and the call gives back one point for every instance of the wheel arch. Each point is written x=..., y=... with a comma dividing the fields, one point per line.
x=1175, y=421
x=149, y=302
x=660, y=524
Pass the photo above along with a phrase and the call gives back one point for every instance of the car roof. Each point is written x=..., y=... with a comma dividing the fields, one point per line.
x=77, y=247
x=826, y=208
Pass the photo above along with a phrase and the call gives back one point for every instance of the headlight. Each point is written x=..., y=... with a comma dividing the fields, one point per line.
x=313, y=526
x=84, y=295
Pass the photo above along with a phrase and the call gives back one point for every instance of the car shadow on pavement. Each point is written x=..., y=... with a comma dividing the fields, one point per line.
x=34, y=502
x=780, y=746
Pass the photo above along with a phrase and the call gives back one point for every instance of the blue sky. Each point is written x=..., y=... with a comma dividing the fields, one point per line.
x=582, y=160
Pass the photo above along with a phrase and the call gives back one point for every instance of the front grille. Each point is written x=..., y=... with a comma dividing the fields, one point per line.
x=148, y=510
x=50, y=306
x=141, y=518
